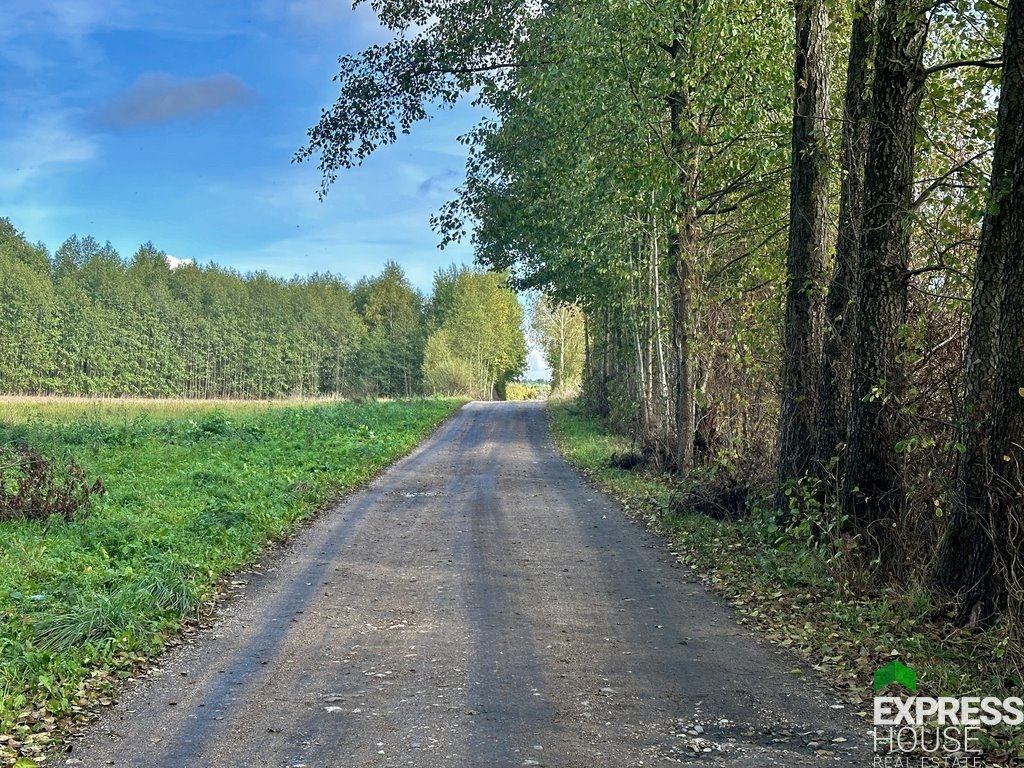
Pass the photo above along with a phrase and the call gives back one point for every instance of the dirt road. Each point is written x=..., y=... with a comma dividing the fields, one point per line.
x=478, y=606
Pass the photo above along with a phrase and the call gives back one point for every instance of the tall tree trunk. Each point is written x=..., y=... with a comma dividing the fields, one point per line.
x=681, y=246
x=834, y=377
x=642, y=387
x=635, y=311
x=663, y=388
x=598, y=389
x=966, y=556
x=805, y=259
x=560, y=383
x=873, y=484
x=682, y=310
x=1007, y=457
x=588, y=354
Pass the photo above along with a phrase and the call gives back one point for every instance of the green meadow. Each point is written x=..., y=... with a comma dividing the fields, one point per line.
x=193, y=491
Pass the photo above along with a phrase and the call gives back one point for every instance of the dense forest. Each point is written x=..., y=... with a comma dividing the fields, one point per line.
x=86, y=322
x=793, y=235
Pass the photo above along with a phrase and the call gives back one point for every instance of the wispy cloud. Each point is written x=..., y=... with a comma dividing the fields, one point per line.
x=439, y=182
x=44, y=145
x=350, y=249
x=327, y=19
x=311, y=13
x=63, y=19
x=75, y=20
x=157, y=97
x=40, y=34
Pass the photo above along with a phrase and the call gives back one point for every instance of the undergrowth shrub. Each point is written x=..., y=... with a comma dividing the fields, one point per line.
x=811, y=534
x=34, y=487
x=726, y=486
x=213, y=426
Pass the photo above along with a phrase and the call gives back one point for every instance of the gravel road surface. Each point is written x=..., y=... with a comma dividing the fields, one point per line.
x=477, y=606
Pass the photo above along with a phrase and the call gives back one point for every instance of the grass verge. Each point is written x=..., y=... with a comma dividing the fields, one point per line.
x=193, y=492
x=789, y=591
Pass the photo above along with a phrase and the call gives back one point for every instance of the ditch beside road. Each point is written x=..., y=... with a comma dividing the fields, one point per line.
x=477, y=605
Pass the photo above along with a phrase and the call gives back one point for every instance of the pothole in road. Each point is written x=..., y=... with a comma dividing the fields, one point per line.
x=692, y=738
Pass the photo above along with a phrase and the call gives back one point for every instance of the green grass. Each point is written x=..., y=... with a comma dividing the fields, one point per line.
x=194, y=491
x=800, y=598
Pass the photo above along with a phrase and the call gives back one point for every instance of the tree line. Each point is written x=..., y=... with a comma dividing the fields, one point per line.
x=84, y=321
x=794, y=232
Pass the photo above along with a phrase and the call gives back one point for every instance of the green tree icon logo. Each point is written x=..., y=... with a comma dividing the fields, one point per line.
x=896, y=672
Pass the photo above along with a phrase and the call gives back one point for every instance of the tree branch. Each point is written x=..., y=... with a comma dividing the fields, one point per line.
x=983, y=63
x=936, y=183
x=927, y=268
x=472, y=70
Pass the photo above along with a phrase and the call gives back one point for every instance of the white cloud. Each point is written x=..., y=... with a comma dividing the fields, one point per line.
x=174, y=262
x=536, y=366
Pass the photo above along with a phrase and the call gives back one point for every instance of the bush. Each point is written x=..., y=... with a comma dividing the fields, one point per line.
x=444, y=372
x=452, y=377
x=516, y=391
x=33, y=487
x=527, y=390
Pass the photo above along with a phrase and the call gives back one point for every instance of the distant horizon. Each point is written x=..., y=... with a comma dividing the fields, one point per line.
x=537, y=367
x=174, y=261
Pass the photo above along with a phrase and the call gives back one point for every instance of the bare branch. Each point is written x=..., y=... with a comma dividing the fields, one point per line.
x=937, y=182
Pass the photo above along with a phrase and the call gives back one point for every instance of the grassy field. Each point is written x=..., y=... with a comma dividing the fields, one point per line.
x=193, y=492
x=801, y=594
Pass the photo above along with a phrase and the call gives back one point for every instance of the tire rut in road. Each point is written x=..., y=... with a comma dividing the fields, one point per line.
x=478, y=605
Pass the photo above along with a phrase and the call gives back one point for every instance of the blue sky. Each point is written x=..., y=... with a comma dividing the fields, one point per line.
x=176, y=122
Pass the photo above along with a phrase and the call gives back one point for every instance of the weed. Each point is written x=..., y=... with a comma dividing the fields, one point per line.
x=33, y=487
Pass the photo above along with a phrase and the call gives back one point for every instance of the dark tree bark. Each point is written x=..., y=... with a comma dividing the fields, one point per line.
x=805, y=259
x=834, y=377
x=1007, y=457
x=681, y=242
x=680, y=256
x=965, y=555
x=873, y=489
x=966, y=562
